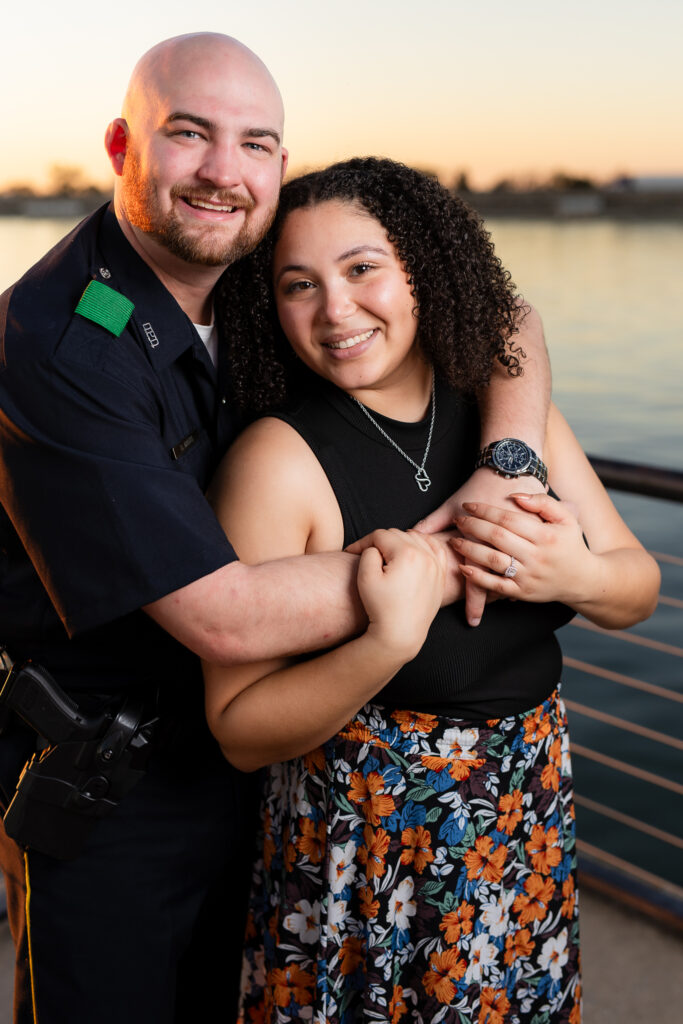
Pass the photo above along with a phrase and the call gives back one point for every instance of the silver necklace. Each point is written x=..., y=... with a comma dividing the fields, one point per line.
x=421, y=477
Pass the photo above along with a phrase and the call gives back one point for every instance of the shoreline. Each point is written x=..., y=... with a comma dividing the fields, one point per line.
x=537, y=204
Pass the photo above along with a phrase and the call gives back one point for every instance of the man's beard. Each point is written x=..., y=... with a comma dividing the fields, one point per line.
x=205, y=245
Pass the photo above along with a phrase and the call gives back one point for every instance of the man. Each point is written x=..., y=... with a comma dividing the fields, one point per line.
x=113, y=416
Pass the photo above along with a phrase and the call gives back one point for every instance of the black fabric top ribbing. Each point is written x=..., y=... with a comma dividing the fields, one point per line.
x=512, y=660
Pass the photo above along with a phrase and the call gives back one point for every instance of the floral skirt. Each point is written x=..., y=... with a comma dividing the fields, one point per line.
x=419, y=869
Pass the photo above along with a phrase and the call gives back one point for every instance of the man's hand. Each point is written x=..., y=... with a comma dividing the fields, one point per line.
x=489, y=488
x=454, y=588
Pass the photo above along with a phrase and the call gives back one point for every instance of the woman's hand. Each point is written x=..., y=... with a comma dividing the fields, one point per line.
x=551, y=560
x=401, y=581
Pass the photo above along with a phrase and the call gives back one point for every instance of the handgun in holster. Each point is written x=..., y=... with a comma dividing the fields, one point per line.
x=85, y=763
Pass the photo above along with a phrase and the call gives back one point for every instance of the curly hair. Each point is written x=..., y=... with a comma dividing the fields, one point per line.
x=466, y=306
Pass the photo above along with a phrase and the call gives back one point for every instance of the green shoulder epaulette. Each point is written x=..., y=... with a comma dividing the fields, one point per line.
x=105, y=307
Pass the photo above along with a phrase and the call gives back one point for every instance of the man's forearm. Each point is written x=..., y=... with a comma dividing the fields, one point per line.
x=244, y=613
x=518, y=406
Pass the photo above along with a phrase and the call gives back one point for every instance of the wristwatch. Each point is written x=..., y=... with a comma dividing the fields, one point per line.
x=511, y=457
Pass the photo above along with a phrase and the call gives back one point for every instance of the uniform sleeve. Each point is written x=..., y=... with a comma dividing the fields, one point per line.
x=108, y=519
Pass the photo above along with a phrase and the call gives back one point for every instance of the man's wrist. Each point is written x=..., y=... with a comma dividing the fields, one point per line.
x=511, y=458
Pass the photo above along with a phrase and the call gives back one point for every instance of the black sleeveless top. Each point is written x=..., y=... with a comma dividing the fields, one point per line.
x=512, y=660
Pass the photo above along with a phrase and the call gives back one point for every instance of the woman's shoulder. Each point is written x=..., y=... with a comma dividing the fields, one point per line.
x=269, y=448
x=270, y=481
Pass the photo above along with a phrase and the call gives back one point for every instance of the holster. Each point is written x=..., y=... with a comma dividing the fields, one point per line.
x=84, y=764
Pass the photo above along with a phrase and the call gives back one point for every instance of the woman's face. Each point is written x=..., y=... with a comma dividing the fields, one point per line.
x=343, y=297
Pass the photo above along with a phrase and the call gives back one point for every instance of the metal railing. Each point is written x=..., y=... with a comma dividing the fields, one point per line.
x=627, y=737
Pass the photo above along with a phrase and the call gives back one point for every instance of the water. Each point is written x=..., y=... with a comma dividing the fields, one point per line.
x=608, y=292
x=609, y=296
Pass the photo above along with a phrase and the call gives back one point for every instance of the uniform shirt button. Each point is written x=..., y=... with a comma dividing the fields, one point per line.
x=106, y=274
x=224, y=400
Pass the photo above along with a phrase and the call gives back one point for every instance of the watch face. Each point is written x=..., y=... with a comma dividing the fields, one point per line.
x=511, y=456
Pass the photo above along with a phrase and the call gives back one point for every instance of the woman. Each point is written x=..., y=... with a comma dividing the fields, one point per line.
x=419, y=865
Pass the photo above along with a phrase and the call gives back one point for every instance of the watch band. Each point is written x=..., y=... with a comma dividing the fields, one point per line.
x=530, y=463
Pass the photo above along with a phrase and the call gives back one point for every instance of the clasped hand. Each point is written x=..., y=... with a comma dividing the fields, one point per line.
x=401, y=580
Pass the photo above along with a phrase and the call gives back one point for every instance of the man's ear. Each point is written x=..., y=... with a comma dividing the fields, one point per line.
x=116, y=143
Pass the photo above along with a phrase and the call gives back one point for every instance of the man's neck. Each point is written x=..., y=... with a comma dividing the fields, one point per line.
x=190, y=284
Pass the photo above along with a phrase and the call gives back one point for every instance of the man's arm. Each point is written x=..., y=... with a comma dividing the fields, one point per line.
x=244, y=613
x=508, y=407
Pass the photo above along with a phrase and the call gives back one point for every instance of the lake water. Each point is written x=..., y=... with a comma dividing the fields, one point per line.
x=609, y=294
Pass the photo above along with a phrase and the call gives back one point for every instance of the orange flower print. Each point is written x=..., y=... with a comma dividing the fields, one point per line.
x=494, y=1005
x=510, y=806
x=458, y=768
x=543, y=849
x=575, y=1015
x=351, y=954
x=569, y=897
x=274, y=924
x=369, y=906
x=359, y=732
x=457, y=753
x=418, y=848
x=289, y=856
x=257, y=1015
x=397, y=1005
x=444, y=970
x=250, y=930
x=314, y=761
x=413, y=721
x=518, y=945
x=457, y=922
x=374, y=852
x=369, y=793
x=311, y=842
x=532, y=905
x=536, y=727
x=291, y=983
x=550, y=776
x=482, y=862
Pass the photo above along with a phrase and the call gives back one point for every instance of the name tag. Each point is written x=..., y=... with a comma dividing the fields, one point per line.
x=179, y=449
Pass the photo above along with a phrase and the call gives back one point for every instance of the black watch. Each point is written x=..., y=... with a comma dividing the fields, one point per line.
x=510, y=458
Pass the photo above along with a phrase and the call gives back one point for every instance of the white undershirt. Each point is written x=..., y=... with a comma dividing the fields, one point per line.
x=209, y=335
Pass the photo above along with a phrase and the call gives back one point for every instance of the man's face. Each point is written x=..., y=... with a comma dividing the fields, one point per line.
x=204, y=162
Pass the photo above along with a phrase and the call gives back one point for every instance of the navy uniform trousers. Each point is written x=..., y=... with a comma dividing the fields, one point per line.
x=160, y=886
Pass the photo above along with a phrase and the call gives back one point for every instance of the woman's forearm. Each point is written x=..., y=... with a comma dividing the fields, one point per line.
x=295, y=709
x=621, y=590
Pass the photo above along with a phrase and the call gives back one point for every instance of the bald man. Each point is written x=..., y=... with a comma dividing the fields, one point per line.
x=127, y=879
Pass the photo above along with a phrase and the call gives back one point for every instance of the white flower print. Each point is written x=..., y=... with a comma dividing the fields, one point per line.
x=305, y=922
x=342, y=869
x=555, y=954
x=401, y=904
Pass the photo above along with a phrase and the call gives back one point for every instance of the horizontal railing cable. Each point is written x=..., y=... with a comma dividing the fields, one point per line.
x=602, y=856
x=617, y=677
x=625, y=768
x=624, y=725
x=669, y=559
x=637, y=478
x=629, y=638
x=627, y=819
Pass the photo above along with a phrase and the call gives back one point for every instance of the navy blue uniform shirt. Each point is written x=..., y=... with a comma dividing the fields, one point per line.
x=106, y=446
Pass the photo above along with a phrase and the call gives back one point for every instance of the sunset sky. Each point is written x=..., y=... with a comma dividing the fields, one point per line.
x=494, y=88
